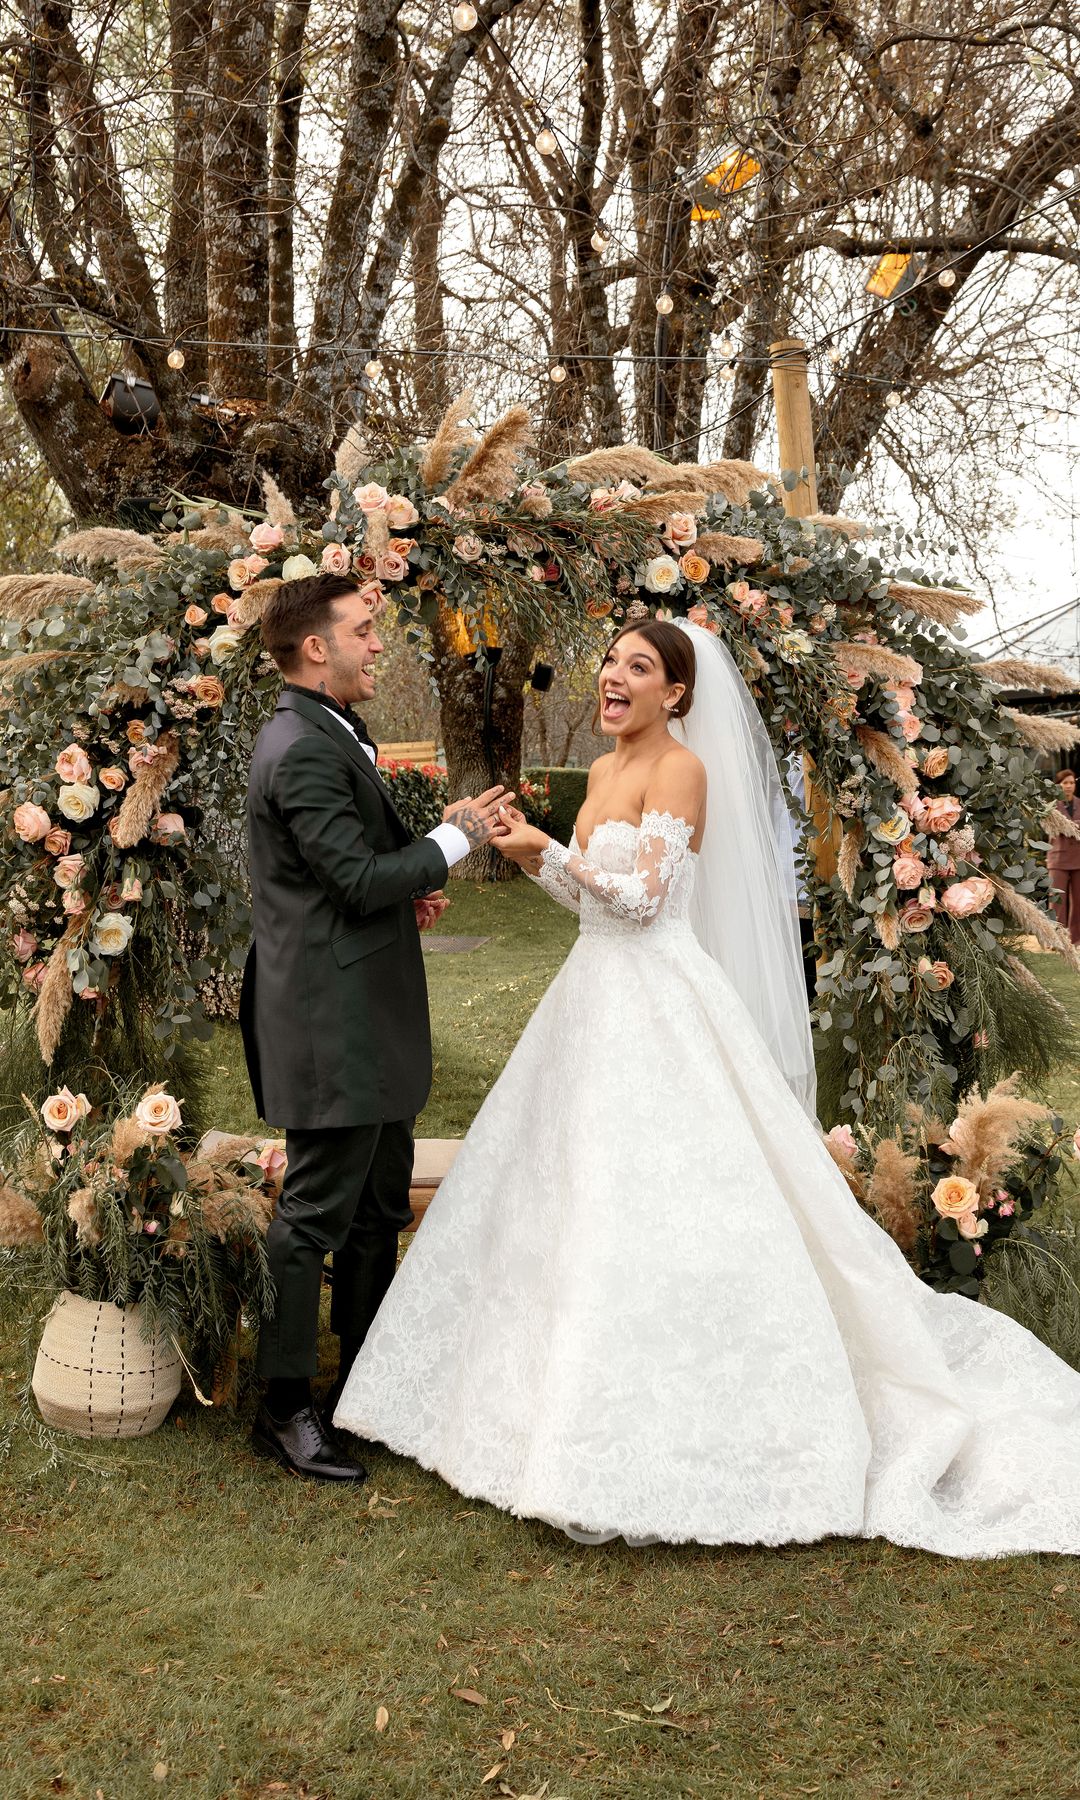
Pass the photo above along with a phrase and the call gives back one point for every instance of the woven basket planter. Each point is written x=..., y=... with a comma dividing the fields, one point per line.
x=97, y=1375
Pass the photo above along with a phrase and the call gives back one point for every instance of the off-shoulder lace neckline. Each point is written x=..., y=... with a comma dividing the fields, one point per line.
x=628, y=825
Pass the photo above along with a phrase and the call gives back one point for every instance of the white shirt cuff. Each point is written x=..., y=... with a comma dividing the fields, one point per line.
x=451, y=841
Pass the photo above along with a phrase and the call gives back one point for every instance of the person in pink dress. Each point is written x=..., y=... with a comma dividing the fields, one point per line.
x=1064, y=858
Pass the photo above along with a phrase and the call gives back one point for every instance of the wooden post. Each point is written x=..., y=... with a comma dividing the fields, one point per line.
x=794, y=425
x=791, y=397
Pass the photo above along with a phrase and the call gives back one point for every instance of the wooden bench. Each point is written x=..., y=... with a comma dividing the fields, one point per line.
x=419, y=751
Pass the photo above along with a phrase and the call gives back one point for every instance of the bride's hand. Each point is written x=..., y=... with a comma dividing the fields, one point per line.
x=519, y=841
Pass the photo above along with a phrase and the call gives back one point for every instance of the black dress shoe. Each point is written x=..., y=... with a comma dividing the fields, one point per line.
x=303, y=1445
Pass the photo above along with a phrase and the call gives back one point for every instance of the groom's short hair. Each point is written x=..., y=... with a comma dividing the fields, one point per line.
x=300, y=609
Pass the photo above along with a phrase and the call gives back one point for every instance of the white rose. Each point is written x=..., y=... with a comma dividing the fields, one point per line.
x=112, y=934
x=157, y=1111
x=224, y=643
x=61, y=1112
x=78, y=802
x=295, y=567
x=662, y=574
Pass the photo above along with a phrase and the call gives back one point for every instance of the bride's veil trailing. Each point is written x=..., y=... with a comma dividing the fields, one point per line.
x=745, y=907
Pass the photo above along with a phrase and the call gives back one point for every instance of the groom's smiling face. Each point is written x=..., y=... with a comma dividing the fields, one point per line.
x=351, y=646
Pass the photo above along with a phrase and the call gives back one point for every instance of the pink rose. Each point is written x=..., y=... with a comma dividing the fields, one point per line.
x=961, y=899
x=468, y=548
x=196, y=615
x=371, y=591
x=935, y=762
x=536, y=571
x=68, y=871
x=74, y=902
x=680, y=530
x=150, y=1227
x=943, y=811
x=400, y=512
x=58, y=841
x=272, y=1161
x=34, y=976
x=364, y=564
x=969, y=1225
x=336, y=560
x=698, y=615
x=168, y=825
x=750, y=601
x=910, y=726
x=23, y=945
x=371, y=498
x=113, y=779
x=31, y=822
x=908, y=871
x=843, y=1138
x=1006, y=1208
x=904, y=697
x=936, y=974
x=914, y=805
x=73, y=764
x=390, y=566
x=266, y=537
x=914, y=916
x=131, y=890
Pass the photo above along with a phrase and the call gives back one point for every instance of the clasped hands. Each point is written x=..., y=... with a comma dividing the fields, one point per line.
x=489, y=818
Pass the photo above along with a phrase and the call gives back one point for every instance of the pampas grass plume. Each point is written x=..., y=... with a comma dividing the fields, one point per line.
x=20, y=1221
x=943, y=606
x=1015, y=672
x=141, y=802
x=54, y=997
x=878, y=659
x=986, y=1135
x=880, y=750
x=279, y=510
x=107, y=544
x=1045, y=735
x=656, y=509
x=451, y=435
x=624, y=462
x=25, y=597
x=847, y=861
x=891, y=1192
x=491, y=471
x=1031, y=918
x=729, y=552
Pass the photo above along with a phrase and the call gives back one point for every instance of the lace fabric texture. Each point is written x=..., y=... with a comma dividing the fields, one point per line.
x=644, y=1302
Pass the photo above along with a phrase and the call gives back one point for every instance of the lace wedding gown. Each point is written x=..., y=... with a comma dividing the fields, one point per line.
x=645, y=1303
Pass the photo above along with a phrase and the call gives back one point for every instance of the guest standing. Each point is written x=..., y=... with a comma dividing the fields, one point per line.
x=1064, y=859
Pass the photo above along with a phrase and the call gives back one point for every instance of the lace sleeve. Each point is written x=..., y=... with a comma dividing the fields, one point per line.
x=663, y=846
x=554, y=879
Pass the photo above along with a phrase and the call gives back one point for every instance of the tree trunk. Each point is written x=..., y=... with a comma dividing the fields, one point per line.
x=432, y=388
x=482, y=743
x=236, y=187
x=185, y=251
x=281, y=354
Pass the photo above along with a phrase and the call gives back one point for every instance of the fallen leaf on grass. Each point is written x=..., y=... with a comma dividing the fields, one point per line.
x=382, y=1718
x=495, y=1769
x=663, y=1705
x=508, y=1739
x=470, y=1696
x=1061, y=1587
x=161, y=1770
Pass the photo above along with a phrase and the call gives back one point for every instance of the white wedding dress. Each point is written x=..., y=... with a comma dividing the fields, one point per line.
x=645, y=1303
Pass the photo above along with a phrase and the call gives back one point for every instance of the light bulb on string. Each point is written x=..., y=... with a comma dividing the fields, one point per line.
x=175, y=358
x=835, y=356
x=727, y=373
x=893, y=399
x=600, y=240
x=546, y=141
x=664, y=304
x=947, y=278
x=725, y=346
x=464, y=16
x=373, y=369
x=557, y=374
x=1051, y=415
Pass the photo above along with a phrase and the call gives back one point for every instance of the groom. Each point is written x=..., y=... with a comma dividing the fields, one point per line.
x=334, y=1005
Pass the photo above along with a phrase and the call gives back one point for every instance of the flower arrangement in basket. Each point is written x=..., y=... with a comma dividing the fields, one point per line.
x=947, y=1194
x=110, y=1216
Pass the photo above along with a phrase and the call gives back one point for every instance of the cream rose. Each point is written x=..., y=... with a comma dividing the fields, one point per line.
x=111, y=935
x=294, y=568
x=336, y=559
x=680, y=530
x=31, y=822
x=78, y=802
x=68, y=871
x=224, y=643
x=963, y=899
x=73, y=764
x=390, y=566
x=371, y=498
x=400, y=512
x=969, y=1225
x=266, y=537
x=954, y=1196
x=62, y=1111
x=468, y=548
x=158, y=1112
x=662, y=574
x=112, y=778
x=935, y=762
x=894, y=830
x=57, y=841
x=942, y=812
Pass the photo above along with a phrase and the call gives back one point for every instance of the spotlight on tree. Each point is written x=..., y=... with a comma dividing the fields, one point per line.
x=542, y=677
x=130, y=404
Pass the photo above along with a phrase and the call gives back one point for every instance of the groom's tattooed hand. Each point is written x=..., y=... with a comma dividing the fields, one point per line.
x=478, y=819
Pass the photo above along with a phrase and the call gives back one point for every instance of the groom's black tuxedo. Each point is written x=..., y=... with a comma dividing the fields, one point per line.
x=334, y=1016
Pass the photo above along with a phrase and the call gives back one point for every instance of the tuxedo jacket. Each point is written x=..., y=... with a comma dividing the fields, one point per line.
x=334, y=1008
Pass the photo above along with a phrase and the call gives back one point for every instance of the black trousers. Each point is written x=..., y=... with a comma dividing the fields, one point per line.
x=346, y=1191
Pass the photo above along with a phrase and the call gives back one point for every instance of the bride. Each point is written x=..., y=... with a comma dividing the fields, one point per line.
x=644, y=1302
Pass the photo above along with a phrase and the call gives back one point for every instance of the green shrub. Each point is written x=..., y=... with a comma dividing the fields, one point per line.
x=566, y=788
x=421, y=792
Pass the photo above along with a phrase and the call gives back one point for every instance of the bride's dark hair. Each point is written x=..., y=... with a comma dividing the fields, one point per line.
x=675, y=651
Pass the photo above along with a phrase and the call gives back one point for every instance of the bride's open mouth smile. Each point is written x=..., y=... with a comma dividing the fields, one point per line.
x=614, y=705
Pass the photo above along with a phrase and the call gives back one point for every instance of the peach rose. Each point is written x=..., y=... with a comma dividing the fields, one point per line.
x=427, y=581
x=698, y=615
x=158, y=1112
x=112, y=778
x=243, y=570
x=266, y=537
x=694, y=567
x=400, y=512
x=168, y=825
x=597, y=606
x=750, y=601
x=74, y=902
x=904, y=697
x=935, y=762
x=910, y=727
x=136, y=731
x=336, y=559
x=364, y=564
x=390, y=566
x=784, y=616
x=943, y=811
x=73, y=764
x=207, y=690
x=680, y=530
x=31, y=822
x=62, y=1111
x=401, y=546
x=57, y=841
x=954, y=1196
x=915, y=916
x=936, y=974
x=68, y=871
x=969, y=1225
x=962, y=899
x=34, y=975
x=222, y=602
x=371, y=498
x=843, y=1139
x=468, y=548
x=196, y=615
x=371, y=592
x=908, y=871
x=273, y=1161
x=201, y=646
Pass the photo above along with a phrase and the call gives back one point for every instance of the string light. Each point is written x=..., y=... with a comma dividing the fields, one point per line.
x=1051, y=415
x=835, y=356
x=373, y=369
x=557, y=373
x=175, y=358
x=600, y=240
x=947, y=278
x=725, y=346
x=727, y=373
x=546, y=141
x=664, y=304
x=893, y=399
x=464, y=16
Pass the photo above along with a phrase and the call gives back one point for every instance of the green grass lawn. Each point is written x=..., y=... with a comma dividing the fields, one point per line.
x=183, y=1619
